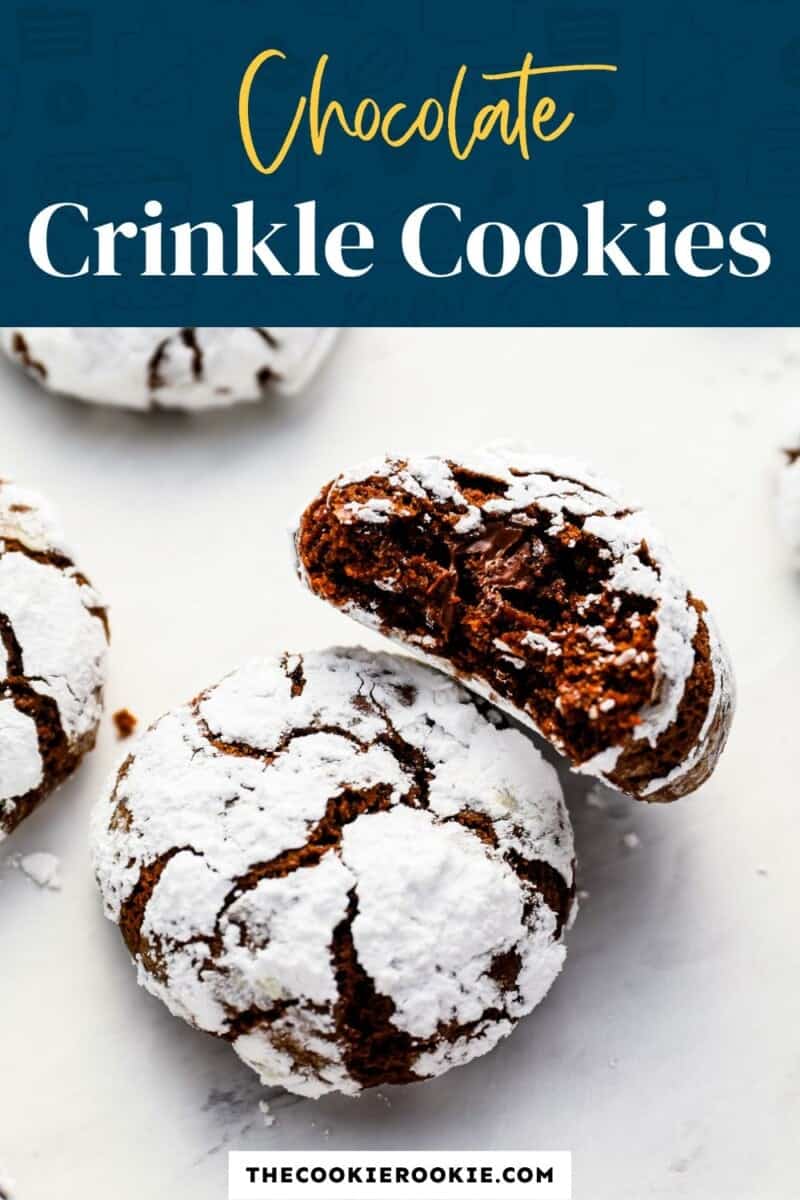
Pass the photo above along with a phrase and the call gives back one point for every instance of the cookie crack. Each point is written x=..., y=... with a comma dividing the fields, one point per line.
x=375, y=1051
x=147, y=950
x=240, y=749
x=121, y=816
x=412, y=758
x=242, y=1023
x=189, y=339
x=266, y=374
x=266, y=335
x=326, y=835
x=47, y=558
x=541, y=881
x=154, y=363
x=59, y=758
x=59, y=754
x=546, y=884
x=62, y=563
x=14, y=668
x=295, y=675
x=21, y=348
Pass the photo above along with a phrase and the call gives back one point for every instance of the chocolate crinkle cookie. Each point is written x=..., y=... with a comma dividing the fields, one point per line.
x=190, y=368
x=543, y=589
x=342, y=865
x=53, y=642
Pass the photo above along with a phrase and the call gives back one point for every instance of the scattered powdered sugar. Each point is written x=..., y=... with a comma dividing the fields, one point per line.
x=43, y=868
x=597, y=797
x=266, y=1114
x=615, y=805
x=242, y=779
x=190, y=368
x=631, y=841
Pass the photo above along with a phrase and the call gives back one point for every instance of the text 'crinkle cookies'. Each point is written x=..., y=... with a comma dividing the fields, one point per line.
x=191, y=368
x=339, y=864
x=53, y=642
x=543, y=589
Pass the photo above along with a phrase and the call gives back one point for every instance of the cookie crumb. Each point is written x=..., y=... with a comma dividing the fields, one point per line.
x=125, y=723
x=44, y=869
x=269, y=1119
x=631, y=841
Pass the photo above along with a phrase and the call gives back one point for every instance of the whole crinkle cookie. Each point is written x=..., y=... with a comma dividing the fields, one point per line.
x=53, y=642
x=190, y=368
x=340, y=864
x=542, y=588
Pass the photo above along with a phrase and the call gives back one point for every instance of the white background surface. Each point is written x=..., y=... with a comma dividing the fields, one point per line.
x=667, y=1056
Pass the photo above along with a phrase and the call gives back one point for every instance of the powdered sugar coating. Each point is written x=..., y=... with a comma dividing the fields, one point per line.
x=567, y=491
x=334, y=817
x=53, y=645
x=20, y=761
x=165, y=367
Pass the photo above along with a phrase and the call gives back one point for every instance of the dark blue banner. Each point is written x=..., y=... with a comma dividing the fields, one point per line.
x=229, y=162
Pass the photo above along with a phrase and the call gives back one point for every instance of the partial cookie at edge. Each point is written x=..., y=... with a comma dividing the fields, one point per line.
x=53, y=643
x=191, y=368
